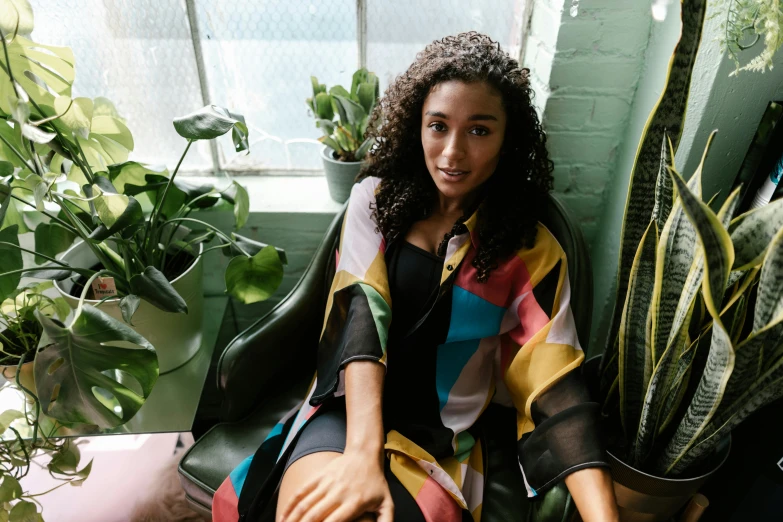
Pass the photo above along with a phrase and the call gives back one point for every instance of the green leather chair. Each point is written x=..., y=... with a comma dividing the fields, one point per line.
x=265, y=371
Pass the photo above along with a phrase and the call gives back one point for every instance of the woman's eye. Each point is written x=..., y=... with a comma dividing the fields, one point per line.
x=479, y=131
x=437, y=127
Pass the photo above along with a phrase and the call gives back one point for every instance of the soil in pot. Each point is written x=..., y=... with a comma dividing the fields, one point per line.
x=175, y=267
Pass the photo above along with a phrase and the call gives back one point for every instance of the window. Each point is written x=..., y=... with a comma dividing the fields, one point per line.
x=160, y=59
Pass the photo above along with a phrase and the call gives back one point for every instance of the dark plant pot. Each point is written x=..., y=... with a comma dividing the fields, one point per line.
x=642, y=497
x=340, y=175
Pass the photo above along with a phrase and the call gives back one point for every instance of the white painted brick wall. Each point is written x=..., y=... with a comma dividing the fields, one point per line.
x=585, y=71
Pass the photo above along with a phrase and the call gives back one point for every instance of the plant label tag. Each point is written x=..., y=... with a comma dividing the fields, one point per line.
x=103, y=287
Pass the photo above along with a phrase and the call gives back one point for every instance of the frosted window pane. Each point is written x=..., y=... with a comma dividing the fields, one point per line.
x=397, y=30
x=139, y=54
x=259, y=56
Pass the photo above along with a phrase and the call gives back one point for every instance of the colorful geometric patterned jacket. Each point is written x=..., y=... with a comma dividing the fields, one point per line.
x=511, y=340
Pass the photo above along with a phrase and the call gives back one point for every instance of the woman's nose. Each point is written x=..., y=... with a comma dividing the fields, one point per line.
x=455, y=147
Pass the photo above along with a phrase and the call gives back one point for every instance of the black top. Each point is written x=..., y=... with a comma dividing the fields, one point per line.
x=414, y=278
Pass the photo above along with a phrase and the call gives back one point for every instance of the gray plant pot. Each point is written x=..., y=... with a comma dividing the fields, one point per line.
x=340, y=175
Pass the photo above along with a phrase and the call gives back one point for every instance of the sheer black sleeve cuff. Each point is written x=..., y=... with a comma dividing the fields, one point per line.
x=567, y=436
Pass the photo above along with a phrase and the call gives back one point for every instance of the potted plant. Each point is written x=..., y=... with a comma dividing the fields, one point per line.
x=343, y=117
x=66, y=161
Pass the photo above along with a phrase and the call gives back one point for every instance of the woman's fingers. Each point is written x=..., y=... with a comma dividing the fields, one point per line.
x=322, y=508
x=386, y=511
x=344, y=513
x=303, y=501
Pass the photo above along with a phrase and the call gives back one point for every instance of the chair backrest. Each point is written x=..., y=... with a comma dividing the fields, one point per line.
x=557, y=219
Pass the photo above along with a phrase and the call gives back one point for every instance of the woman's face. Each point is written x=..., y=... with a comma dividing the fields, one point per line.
x=462, y=130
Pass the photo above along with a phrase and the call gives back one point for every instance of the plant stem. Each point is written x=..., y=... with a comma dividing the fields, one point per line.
x=80, y=271
x=50, y=216
x=49, y=491
x=18, y=154
x=84, y=293
x=53, y=260
x=88, y=173
x=7, y=59
x=218, y=232
x=215, y=248
x=159, y=204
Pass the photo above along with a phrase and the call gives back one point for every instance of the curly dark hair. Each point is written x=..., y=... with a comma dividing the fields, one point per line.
x=512, y=201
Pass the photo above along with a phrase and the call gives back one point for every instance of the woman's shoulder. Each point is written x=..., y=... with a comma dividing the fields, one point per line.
x=545, y=252
x=366, y=188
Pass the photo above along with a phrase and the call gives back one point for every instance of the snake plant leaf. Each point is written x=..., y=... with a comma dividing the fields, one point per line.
x=664, y=189
x=678, y=387
x=205, y=124
x=71, y=360
x=752, y=232
x=51, y=239
x=719, y=256
x=253, y=279
x=769, y=301
x=766, y=389
x=635, y=364
x=667, y=117
x=152, y=286
x=660, y=381
x=250, y=246
x=237, y=195
x=10, y=260
x=16, y=16
x=39, y=69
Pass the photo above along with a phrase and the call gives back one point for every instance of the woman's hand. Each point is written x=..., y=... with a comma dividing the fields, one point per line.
x=348, y=487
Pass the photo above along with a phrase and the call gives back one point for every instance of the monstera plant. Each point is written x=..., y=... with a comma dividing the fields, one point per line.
x=700, y=343
x=65, y=179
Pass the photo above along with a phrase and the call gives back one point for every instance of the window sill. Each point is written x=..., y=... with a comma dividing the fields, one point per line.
x=284, y=194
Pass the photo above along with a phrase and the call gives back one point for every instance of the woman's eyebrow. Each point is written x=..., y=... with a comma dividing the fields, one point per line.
x=475, y=117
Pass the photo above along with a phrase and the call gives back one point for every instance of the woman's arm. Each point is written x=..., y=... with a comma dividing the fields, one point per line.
x=593, y=493
x=363, y=407
x=354, y=483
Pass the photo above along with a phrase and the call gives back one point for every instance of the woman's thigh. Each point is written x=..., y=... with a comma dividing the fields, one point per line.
x=300, y=471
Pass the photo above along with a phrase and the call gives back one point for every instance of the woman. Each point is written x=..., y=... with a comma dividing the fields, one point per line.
x=442, y=236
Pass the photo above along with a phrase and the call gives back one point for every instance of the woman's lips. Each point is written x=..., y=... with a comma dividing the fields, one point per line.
x=453, y=174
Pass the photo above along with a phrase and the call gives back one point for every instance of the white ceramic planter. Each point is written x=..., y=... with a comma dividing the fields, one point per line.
x=340, y=175
x=176, y=337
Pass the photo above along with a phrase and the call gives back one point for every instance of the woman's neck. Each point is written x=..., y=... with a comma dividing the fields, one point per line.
x=454, y=207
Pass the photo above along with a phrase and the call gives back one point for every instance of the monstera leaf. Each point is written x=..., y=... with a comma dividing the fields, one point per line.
x=74, y=360
x=253, y=279
x=39, y=69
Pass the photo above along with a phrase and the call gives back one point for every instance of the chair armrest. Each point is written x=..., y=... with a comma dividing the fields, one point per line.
x=281, y=346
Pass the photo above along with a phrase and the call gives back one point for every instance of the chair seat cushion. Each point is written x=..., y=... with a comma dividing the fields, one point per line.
x=209, y=461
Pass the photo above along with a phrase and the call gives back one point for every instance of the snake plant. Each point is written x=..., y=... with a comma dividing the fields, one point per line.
x=700, y=343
